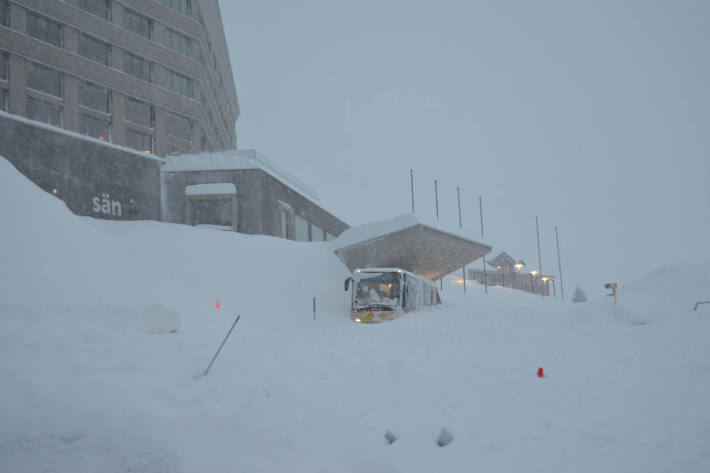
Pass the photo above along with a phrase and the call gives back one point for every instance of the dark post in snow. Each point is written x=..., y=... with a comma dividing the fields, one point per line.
x=559, y=262
x=436, y=197
x=411, y=182
x=485, y=276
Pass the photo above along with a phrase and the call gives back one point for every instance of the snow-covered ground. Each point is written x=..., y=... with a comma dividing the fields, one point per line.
x=104, y=327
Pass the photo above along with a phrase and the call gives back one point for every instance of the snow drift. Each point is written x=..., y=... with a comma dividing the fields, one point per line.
x=97, y=378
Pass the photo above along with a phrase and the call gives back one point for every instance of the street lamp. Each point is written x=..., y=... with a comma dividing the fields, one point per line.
x=500, y=268
x=532, y=280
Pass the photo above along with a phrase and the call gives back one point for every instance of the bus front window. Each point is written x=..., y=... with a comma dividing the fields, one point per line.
x=377, y=291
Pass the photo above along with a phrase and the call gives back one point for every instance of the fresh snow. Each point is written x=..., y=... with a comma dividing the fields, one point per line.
x=237, y=159
x=211, y=189
x=374, y=230
x=105, y=327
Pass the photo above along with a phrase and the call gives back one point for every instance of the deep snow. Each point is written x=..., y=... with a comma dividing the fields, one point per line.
x=96, y=379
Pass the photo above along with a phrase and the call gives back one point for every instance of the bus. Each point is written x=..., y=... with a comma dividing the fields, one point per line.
x=380, y=294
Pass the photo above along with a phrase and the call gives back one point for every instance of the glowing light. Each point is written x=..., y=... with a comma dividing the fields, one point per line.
x=54, y=191
x=358, y=319
x=545, y=279
x=519, y=265
x=534, y=272
x=102, y=138
x=147, y=151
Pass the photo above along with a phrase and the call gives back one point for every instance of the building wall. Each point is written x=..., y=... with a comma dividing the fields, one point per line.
x=207, y=106
x=258, y=197
x=92, y=178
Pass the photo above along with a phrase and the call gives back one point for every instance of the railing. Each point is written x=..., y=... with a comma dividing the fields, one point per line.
x=700, y=302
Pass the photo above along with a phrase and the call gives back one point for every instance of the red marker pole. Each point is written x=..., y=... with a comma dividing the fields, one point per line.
x=540, y=372
x=219, y=306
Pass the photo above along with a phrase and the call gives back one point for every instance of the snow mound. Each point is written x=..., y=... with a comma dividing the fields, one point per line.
x=58, y=258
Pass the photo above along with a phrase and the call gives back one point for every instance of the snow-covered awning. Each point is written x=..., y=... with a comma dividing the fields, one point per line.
x=217, y=188
x=408, y=243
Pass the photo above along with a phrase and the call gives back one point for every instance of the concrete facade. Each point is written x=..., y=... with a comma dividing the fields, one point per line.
x=93, y=178
x=266, y=205
x=170, y=56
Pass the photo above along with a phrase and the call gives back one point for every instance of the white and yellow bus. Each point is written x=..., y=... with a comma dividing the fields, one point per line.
x=380, y=294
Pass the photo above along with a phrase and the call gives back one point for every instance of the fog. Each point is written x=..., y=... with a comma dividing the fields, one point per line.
x=591, y=115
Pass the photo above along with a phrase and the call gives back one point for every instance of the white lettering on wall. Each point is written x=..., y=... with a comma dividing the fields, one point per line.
x=104, y=205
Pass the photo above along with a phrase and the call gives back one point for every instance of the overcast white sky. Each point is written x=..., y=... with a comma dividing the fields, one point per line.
x=593, y=115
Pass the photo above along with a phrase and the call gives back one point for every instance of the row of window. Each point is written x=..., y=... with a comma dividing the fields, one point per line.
x=308, y=231
x=96, y=50
x=95, y=98
x=102, y=8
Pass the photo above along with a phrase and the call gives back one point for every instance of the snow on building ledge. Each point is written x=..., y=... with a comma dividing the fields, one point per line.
x=218, y=188
x=236, y=160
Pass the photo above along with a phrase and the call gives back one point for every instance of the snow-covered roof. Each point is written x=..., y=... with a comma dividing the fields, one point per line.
x=237, y=159
x=211, y=189
x=409, y=243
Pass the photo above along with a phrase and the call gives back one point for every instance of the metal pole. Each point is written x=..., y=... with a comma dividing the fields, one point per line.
x=223, y=342
x=436, y=197
x=485, y=276
x=458, y=195
x=464, y=279
x=559, y=262
x=532, y=284
x=539, y=257
x=554, y=291
x=411, y=182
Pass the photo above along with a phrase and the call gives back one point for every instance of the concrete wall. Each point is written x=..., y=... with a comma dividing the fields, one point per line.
x=258, y=196
x=79, y=171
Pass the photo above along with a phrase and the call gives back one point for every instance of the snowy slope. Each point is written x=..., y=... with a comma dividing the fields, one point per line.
x=96, y=379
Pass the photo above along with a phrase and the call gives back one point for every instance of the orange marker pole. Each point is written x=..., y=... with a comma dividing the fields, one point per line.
x=219, y=306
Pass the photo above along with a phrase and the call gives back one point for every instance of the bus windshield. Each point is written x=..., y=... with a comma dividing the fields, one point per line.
x=377, y=291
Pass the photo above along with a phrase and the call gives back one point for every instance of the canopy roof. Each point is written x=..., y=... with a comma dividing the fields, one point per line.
x=405, y=242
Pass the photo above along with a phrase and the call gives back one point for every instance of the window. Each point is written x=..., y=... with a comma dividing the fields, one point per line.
x=179, y=126
x=44, y=79
x=285, y=220
x=3, y=65
x=139, y=141
x=177, y=83
x=44, y=30
x=94, y=97
x=4, y=13
x=3, y=100
x=95, y=127
x=44, y=112
x=183, y=6
x=178, y=42
x=94, y=49
x=138, y=23
x=137, y=67
x=139, y=112
x=316, y=233
x=97, y=7
x=301, y=228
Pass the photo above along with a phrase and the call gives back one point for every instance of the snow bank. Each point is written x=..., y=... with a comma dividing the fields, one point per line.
x=94, y=377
